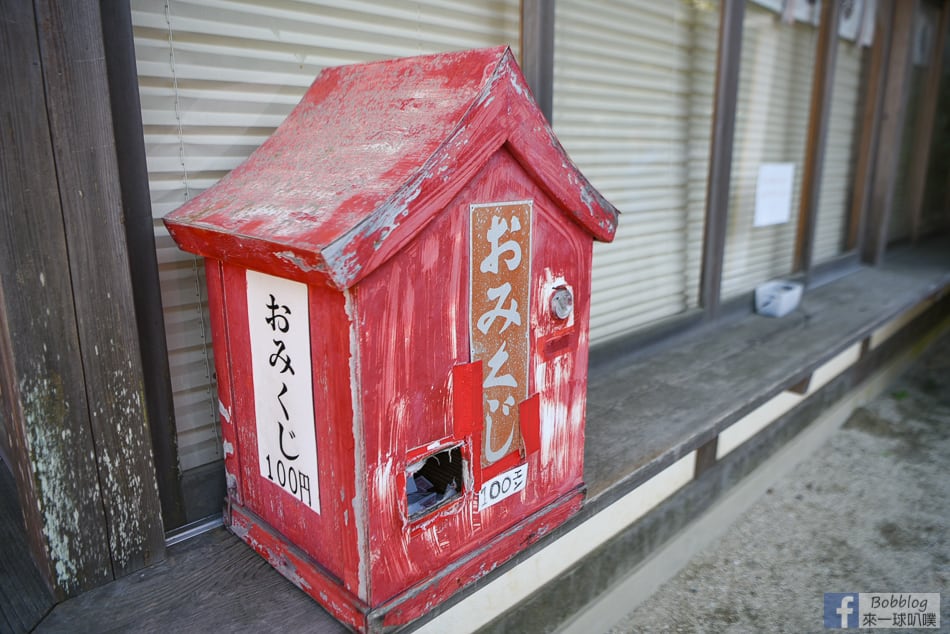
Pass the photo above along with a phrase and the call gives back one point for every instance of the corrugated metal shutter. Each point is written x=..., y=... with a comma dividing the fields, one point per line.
x=632, y=105
x=216, y=77
x=771, y=127
x=834, y=197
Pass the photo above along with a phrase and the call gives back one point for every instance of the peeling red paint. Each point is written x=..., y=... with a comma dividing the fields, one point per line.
x=371, y=154
x=364, y=194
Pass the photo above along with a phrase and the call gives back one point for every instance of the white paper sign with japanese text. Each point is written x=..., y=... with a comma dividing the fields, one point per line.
x=773, y=194
x=279, y=324
x=502, y=486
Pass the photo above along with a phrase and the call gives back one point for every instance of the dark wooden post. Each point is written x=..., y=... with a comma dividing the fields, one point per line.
x=899, y=16
x=140, y=235
x=537, y=51
x=73, y=398
x=873, y=96
x=819, y=114
x=728, y=61
x=924, y=137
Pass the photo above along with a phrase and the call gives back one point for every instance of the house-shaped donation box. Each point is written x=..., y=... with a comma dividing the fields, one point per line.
x=399, y=281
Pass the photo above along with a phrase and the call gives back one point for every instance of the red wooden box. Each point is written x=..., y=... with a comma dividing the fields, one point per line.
x=399, y=281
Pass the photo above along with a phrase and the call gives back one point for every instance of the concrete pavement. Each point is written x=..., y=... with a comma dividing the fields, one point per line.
x=867, y=511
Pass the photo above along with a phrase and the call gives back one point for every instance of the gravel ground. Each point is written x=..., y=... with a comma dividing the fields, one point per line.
x=868, y=512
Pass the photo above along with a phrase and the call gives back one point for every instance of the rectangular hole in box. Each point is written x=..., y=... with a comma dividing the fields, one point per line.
x=433, y=481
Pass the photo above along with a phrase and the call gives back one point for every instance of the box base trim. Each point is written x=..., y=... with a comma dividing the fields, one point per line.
x=416, y=601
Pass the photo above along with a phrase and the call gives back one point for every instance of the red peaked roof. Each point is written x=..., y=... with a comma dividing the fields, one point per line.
x=369, y=156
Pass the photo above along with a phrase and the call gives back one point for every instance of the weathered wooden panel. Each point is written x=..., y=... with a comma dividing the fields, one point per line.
x=421, y=301
x=140, y=234
x=70, y=42
x=24, y=596
x=212, y=583
x=330, y=536
x=44, y=398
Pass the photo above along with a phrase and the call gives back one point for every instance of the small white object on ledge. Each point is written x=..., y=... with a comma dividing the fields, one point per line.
x=777, y=298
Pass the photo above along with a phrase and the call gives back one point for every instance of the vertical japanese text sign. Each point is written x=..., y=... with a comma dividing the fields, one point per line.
x=500, y=315
x=279, y=324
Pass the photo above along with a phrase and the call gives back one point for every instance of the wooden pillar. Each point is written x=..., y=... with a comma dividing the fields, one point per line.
x=537, y=51
x=923, y=139
x=819, y=114
x=898, y=18
x=873, y=97
x=73, y=392
x=728, y=62
x=143, y=264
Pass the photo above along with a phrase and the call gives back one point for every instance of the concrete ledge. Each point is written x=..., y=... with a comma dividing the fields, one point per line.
x=609, y=563
x=646, y=414
x=676, y=554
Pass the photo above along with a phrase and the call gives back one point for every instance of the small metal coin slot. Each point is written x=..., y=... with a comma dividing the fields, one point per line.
x=434, y=481
x=562, y=302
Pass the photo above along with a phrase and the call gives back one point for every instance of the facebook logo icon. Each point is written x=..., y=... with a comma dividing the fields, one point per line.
x=841, y=610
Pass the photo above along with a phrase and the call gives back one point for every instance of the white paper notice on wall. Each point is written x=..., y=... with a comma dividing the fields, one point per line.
x=279, y=325
x=773, y=194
